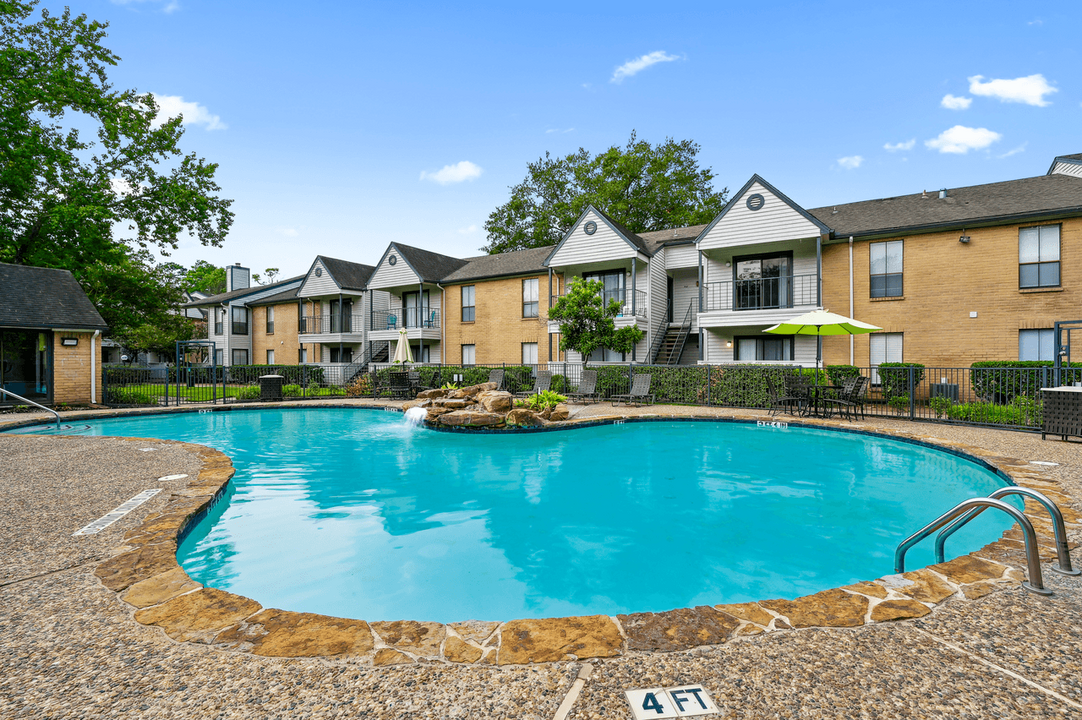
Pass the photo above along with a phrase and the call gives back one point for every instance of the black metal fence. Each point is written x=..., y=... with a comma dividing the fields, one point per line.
x=987, y=396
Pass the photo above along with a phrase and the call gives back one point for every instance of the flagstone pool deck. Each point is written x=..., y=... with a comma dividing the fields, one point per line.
x=107, y=625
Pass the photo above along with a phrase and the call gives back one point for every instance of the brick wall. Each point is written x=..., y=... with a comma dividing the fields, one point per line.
x=283, y=342
x=498, y=329
x=71, y=368
x=945, y=280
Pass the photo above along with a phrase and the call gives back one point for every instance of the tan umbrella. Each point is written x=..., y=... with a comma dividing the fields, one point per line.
x=820, y=323
x=402, y=351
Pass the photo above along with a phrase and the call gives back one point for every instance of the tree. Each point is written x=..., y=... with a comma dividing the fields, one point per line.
x=586, y=323
x=641, y=186
x=205, y=278
x=270, y=273
x=93, y=207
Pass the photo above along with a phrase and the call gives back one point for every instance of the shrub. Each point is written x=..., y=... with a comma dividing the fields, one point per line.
x=900, y=403
x=678, y=384
x=544, y=401
x=838, y=374
x=940, y=405
x=292, y=391
x=1000, y=381
x=894, y=379
x=612, y=380
x=248, y=392
x=559, y=384
x=1023, y=414
x=746, y=385
x=131, y=396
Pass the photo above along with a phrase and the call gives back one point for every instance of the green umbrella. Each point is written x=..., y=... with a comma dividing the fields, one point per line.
x=821, y=322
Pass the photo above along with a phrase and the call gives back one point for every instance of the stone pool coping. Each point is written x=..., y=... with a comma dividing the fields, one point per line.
x=146, y=576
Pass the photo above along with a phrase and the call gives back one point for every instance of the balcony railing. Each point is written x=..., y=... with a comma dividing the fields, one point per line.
x=328, y=324
x=399, y=318
x=621, y=296
x=761, y=293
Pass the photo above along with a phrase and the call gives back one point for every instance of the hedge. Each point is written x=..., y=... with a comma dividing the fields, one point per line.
x=894, y=378
x=1002, y=380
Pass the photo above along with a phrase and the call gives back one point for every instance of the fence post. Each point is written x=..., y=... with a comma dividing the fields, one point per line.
x=709, y=400
x=912, y=392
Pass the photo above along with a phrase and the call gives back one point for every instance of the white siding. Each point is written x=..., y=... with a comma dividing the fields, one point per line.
x=658, y=300
x=804, y=349
x=321, y=285
x=1064, y=168
x=682, y=256
x=389, y=276
x=603, y=245
x=685, y=291
x=774, y=222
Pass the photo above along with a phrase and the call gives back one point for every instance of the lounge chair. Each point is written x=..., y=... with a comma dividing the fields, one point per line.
x=496, y=376
x=587, y=389
x=851, y=397
x=542, y=384
x=640, y=391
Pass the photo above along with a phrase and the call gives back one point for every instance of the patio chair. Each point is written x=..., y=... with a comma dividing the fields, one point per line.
x=797, y=389
x=400, y=386
x=417, y=384
x=851, y=397
x=496, y=376
x=640, y=391
x=541, y=384
x=430, y=321
x=781, y=399
x=587, y=389
x=392, y=322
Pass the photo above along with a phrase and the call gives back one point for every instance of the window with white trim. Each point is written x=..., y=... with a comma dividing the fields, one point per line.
x=763, y=348
x=270, y=357
x=529, y=353
x=1038, y=256
x=885, y=278
x=469, y=354
x=883, y=348
x=469, y=310
x=1037, y=344
x=529, y=298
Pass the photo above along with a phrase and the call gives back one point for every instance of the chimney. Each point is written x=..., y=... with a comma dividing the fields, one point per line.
x=237, y=278
x=943, y=194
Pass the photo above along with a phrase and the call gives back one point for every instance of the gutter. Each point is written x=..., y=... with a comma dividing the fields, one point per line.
x=93, y=371
x=963, y=223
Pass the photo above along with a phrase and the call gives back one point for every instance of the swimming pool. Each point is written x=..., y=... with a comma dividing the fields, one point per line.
x=352, y=513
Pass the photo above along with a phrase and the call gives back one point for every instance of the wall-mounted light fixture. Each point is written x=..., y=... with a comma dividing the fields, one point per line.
x=69, y=342
x=728, y=343
x=965, y=238
x=728, y=264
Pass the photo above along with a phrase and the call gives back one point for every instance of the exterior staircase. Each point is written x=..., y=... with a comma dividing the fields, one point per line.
x=671, y=345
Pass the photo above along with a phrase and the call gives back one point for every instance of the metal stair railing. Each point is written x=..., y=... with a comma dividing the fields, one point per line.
x=353, y=370
x=31, y=402
x=659, y=337
x=685, y=328
x=1035, y=584
x=1063, y=553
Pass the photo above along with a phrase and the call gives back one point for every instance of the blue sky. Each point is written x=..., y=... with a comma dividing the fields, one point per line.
x=340, y=127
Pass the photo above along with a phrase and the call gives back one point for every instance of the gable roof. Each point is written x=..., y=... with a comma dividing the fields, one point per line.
x=348, y=275
x=823, y=228
x=429, y=266
x=233, y=295
x=36, y=297
x=994, y=202
x=657, y=239
x=276, y=299
x=629, y=237
x=516, y=262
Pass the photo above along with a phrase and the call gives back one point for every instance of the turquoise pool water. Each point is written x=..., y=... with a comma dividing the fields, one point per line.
x=353, y=513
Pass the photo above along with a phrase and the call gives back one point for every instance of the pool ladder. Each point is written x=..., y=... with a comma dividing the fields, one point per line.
x=966, y=510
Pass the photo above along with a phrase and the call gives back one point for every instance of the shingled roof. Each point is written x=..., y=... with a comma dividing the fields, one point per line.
x=429, y=266
x=227, y=296
x=516, y=262
x=35, y=297
x=348, y=275
x=276, y=299
x=672, y=236
x=978, y=204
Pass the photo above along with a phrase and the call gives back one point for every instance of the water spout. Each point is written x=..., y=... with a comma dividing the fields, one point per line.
x=415, y=416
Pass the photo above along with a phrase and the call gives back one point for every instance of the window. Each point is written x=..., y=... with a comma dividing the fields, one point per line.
x=270, y=357
x=764, y=281
x=613, y=282
x=417, y=310
x=1038, y=256
x=469, y=354
x=240, y=357
x=468, y=309
x=342, y=355
x=883, y=347
x=341, y=316
x=603, y=354
x=270, y=319
x=886, y=269
x=219, y=358
x=240, y=321
x=529, y=299
x=529, y=353
x=1037, y=344
x=747, y=349
x=303, y=355
x=219, y=320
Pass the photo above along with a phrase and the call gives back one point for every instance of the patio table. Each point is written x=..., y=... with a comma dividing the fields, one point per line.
x=817, y=393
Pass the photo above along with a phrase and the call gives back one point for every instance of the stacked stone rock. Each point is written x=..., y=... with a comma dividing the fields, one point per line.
x=480, y=406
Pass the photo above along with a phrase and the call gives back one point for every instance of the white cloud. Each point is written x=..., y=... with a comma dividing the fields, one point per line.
x=168, y=6
x=169, y=106
x=895, y=147
x=1038, y=21
x=952, y=102
x=631, y=67
x=1029, y=90
x=1020, y=148
x=557, y=130
x=851, y=163
x=448, y=174
x=287, y=231
x=960, y=140
x=467, y=230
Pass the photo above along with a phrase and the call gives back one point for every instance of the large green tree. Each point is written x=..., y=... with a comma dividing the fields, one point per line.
x=642, y=186
x=587, y=322
x=93, y=206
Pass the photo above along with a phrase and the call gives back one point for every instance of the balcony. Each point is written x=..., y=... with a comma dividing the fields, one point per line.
x=621, y=296
x=331, y=324
x=761, y=293
x=398, y=318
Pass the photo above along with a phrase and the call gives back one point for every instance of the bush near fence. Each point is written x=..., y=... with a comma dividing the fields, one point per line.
x=894, y=379
x=1002, y=380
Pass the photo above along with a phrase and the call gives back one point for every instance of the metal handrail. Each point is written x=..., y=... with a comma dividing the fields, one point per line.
x=659, y=336
x=31, y=402
x=1062, y=551
x=1033, y=560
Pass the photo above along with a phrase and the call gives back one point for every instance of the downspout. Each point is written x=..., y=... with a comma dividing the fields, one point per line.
x=443, y=324
x=819, y=296
x=546, y=317
x=420, y=323
x=634, y=277
x=93, y=370
x=702, y=339
x=341, y=326
x=852, y=354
